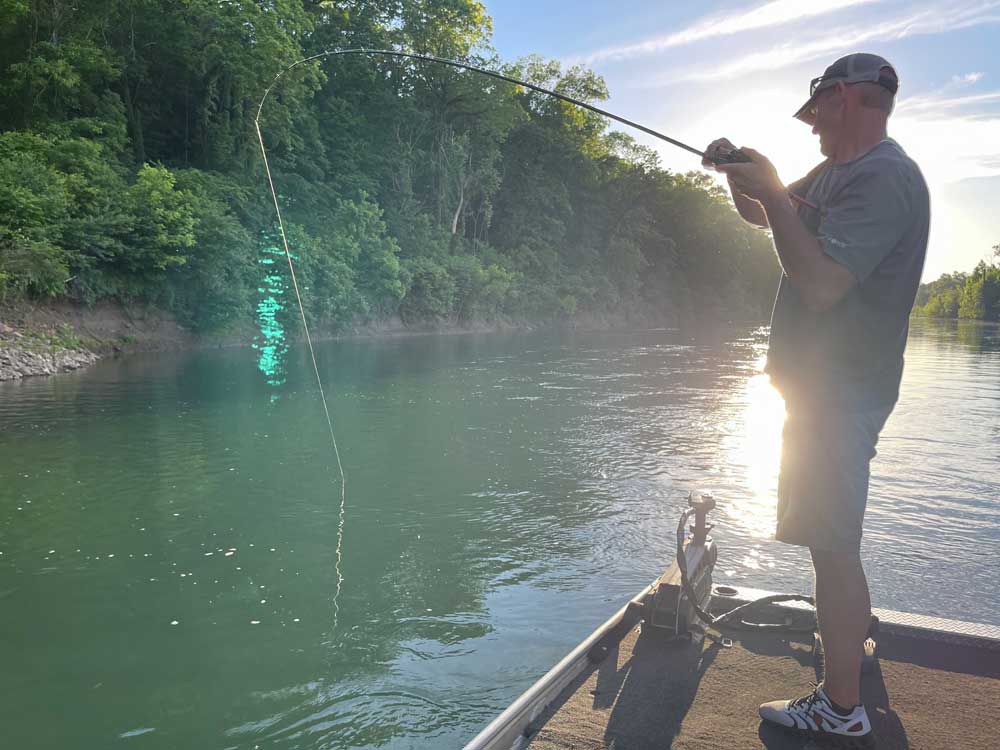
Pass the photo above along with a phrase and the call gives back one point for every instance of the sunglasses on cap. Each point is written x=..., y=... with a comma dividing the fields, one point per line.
x=884, y=81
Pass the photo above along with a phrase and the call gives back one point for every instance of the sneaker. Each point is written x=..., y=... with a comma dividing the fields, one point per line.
x=814, y=715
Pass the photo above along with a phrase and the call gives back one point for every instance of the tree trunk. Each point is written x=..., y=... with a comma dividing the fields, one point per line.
x=131, y=110
x=134, y=123
x=458, y=211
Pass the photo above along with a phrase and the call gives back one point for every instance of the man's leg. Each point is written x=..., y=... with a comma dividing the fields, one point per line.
x=843, y=612
x=822, y=493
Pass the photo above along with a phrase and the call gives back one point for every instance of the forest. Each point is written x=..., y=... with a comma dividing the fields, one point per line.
x=130, y=171
x=974, y=296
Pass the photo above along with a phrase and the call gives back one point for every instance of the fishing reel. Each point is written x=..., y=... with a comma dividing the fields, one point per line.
x=733, y=157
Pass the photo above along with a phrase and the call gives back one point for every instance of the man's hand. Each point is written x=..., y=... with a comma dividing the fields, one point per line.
x=757, y=180
x=749, y=208
x=716, y=149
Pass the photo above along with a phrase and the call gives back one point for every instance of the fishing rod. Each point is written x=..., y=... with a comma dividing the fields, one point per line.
x=733, y=157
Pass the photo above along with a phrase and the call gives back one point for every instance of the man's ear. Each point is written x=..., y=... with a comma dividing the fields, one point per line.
x=845, y=93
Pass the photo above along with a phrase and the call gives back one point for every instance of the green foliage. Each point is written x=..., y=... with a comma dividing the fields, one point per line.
x=481, y=291
x=34, y=200
x=29, y=267
x=164, y=221
x=130, y=169
x=325, y=280
x=946, y=283
x=431, y=291
x=974, y=296
x=214, y=285
x=367, y=247
x=942, y=305
x=980, y=298
x=64, y=337
x=11, y=10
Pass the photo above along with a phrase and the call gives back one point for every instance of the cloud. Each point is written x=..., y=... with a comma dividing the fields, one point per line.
x=939, y=103
x=774, y=13
x=967, y=79
x=945, y=100
x=950, y=147
x=929, y=20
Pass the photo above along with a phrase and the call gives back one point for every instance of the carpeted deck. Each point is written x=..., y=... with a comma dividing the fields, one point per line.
x=652, y=695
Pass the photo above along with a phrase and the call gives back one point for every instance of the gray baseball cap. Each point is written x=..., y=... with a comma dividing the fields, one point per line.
x=855, y=68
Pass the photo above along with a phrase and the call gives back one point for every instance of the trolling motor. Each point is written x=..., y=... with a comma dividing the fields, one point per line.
x=680, y=602
x=686, y=586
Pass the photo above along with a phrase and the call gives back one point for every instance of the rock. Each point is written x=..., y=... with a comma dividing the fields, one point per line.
x=17, y=362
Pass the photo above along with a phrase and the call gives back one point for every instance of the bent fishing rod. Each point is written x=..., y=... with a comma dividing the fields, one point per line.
x=733, y=157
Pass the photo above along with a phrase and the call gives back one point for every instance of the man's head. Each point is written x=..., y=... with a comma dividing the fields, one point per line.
x=856, y=92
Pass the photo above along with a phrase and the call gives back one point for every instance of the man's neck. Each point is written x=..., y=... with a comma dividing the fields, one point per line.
x=860, y=141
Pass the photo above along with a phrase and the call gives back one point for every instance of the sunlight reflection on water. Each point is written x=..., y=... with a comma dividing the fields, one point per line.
x=754, y=446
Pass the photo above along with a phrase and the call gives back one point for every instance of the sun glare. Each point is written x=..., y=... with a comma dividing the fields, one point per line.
x=754, y=445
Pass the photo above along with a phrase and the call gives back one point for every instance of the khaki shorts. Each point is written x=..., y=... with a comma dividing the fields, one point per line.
x=823, y=483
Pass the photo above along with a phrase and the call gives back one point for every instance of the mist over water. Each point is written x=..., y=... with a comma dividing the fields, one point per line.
x=168, y=524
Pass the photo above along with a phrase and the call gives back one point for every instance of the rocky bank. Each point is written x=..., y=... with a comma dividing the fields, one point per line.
x=19, y=361
x=50, y=339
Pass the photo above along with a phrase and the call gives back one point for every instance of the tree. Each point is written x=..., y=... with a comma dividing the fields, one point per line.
x=959, y=295
x=129, y=169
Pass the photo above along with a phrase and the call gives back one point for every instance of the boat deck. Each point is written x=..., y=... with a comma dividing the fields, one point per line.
x=649, y=694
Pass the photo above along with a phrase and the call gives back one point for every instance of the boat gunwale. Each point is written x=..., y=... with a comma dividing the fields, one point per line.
x=510, y=730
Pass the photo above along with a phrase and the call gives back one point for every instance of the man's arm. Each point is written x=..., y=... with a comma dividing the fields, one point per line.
x=751, y=210
x=820, y=280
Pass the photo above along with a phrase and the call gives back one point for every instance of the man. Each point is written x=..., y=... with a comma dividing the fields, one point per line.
x=851, y=238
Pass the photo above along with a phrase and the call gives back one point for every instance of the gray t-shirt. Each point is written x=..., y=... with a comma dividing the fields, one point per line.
x=872, y=217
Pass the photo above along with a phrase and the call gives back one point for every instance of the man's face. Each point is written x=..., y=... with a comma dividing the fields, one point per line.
x=829, y=118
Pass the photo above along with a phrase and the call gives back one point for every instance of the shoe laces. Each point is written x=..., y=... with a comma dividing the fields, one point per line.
x=806, y=701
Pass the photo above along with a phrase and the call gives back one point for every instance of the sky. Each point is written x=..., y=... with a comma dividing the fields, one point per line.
x=697, y=71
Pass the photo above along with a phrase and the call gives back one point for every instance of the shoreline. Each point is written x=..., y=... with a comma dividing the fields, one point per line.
x=41, y=340
x=38, y=340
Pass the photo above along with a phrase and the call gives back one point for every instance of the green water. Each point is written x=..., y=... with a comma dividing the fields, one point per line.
x=168, y=524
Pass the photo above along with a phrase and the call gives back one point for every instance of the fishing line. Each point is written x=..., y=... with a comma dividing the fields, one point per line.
x=319, y=380
x=732, y=157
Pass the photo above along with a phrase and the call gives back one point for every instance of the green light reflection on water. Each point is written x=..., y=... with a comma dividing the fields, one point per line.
x=272, y=341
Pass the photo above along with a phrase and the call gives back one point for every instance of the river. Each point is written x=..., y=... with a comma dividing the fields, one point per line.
x=169, y=524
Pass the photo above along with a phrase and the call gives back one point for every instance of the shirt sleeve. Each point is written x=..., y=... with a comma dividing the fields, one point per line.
x=866, y=218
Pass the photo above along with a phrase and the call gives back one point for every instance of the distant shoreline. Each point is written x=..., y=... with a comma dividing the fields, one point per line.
x=39, y=340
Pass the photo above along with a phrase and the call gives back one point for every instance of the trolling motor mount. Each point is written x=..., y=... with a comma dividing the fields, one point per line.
x=669, y=611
